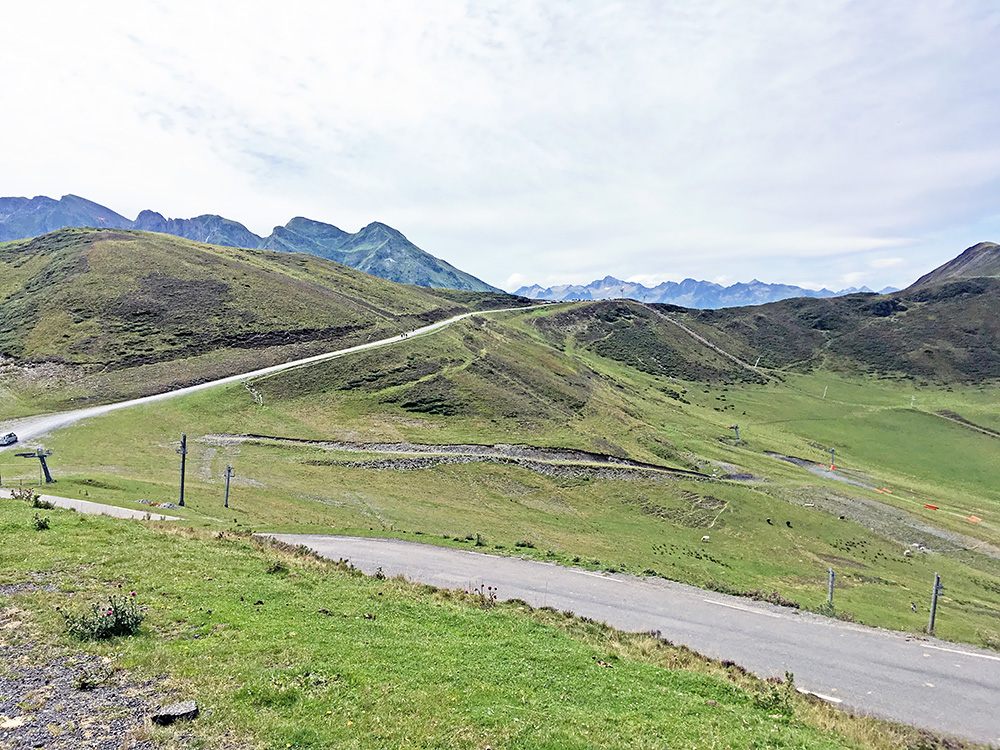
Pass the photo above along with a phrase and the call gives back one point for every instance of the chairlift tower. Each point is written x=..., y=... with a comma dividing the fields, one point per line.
x=183, y=453
x=40, y=454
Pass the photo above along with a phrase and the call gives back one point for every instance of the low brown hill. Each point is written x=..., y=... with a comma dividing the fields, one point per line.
x=982, y=260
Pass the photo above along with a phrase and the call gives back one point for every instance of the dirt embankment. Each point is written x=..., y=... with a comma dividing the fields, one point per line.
x=411, y=456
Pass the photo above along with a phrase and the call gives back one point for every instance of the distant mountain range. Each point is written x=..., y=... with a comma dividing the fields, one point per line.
x=378, y=249
x=701, y=295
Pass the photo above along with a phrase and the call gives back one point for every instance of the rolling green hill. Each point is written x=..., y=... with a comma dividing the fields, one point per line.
x=152, y=311
x=597, y=433
x=946, y=332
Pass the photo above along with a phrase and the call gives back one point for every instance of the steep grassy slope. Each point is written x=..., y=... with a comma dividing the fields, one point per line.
x=150, y=310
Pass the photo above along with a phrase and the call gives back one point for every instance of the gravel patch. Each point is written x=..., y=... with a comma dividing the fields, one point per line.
x=71, y=701
x=562, y=462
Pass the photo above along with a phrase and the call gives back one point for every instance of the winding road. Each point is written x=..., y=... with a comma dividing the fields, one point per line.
x=33, y=427
x=940, y=686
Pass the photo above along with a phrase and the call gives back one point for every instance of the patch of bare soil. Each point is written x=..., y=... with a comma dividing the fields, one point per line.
x=901, y=526
x=55, y=699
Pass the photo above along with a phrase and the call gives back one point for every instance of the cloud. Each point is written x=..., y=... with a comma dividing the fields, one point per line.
x=566, y=140
x=886, y=262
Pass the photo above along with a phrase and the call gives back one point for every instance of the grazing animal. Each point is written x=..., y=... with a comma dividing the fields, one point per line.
x=705, y=538
x=769, y=522
x=788, y=524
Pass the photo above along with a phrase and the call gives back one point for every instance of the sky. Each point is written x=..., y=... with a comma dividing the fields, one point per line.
x=832, y=143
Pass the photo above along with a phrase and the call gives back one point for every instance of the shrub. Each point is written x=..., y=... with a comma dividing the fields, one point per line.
x=40, y=523
x=119, y=617
x=27, y=494
x=486, y=596
x=277, y=567
x=525, y=543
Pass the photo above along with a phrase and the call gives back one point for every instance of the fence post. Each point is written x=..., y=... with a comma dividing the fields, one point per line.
x=934, y=600
x=832, y=576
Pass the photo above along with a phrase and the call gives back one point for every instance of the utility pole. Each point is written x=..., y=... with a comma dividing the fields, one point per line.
x=934, y=597
x=183, y=451
x=735, y=428
x=832, y=577
x=229, y=474
x=832, y=466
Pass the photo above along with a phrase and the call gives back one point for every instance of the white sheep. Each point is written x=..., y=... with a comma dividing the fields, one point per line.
x=705, y=538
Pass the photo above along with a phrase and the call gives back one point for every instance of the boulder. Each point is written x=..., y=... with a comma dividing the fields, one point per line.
x=175, y=712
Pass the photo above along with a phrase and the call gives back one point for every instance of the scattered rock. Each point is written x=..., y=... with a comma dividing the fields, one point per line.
x=144, y=501
x=175, y=712
x=170, y=506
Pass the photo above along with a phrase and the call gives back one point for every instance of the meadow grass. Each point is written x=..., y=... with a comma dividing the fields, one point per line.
x=584, y=401
x=282, y=650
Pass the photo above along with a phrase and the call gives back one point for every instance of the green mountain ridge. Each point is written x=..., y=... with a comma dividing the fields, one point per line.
x=376, y=249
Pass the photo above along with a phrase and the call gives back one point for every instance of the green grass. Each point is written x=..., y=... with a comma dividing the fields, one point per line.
x=634, y=525
x=282, y=650
x=503, y=382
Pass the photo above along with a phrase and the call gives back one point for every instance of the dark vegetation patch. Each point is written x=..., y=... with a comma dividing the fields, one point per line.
x=944, y=333
x=438, y=395
x=759, y=595
x=632, y=334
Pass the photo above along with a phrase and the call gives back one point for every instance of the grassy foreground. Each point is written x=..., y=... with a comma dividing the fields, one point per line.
x=286, y=651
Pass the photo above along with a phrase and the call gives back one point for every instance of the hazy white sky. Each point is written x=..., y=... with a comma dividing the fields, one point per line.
x=827, y=143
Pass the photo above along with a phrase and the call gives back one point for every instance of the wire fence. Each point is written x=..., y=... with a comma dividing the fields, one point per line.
x=20, y=474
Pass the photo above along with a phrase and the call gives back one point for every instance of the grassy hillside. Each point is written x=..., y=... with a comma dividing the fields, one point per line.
x=595, y=434
x=349, y=446
x=943, y=333
x=117, y=313
x=282, y=650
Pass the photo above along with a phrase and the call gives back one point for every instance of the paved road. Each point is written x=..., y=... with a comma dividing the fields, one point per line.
x=97, y=509
x=33, y=427
x=928, y=683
